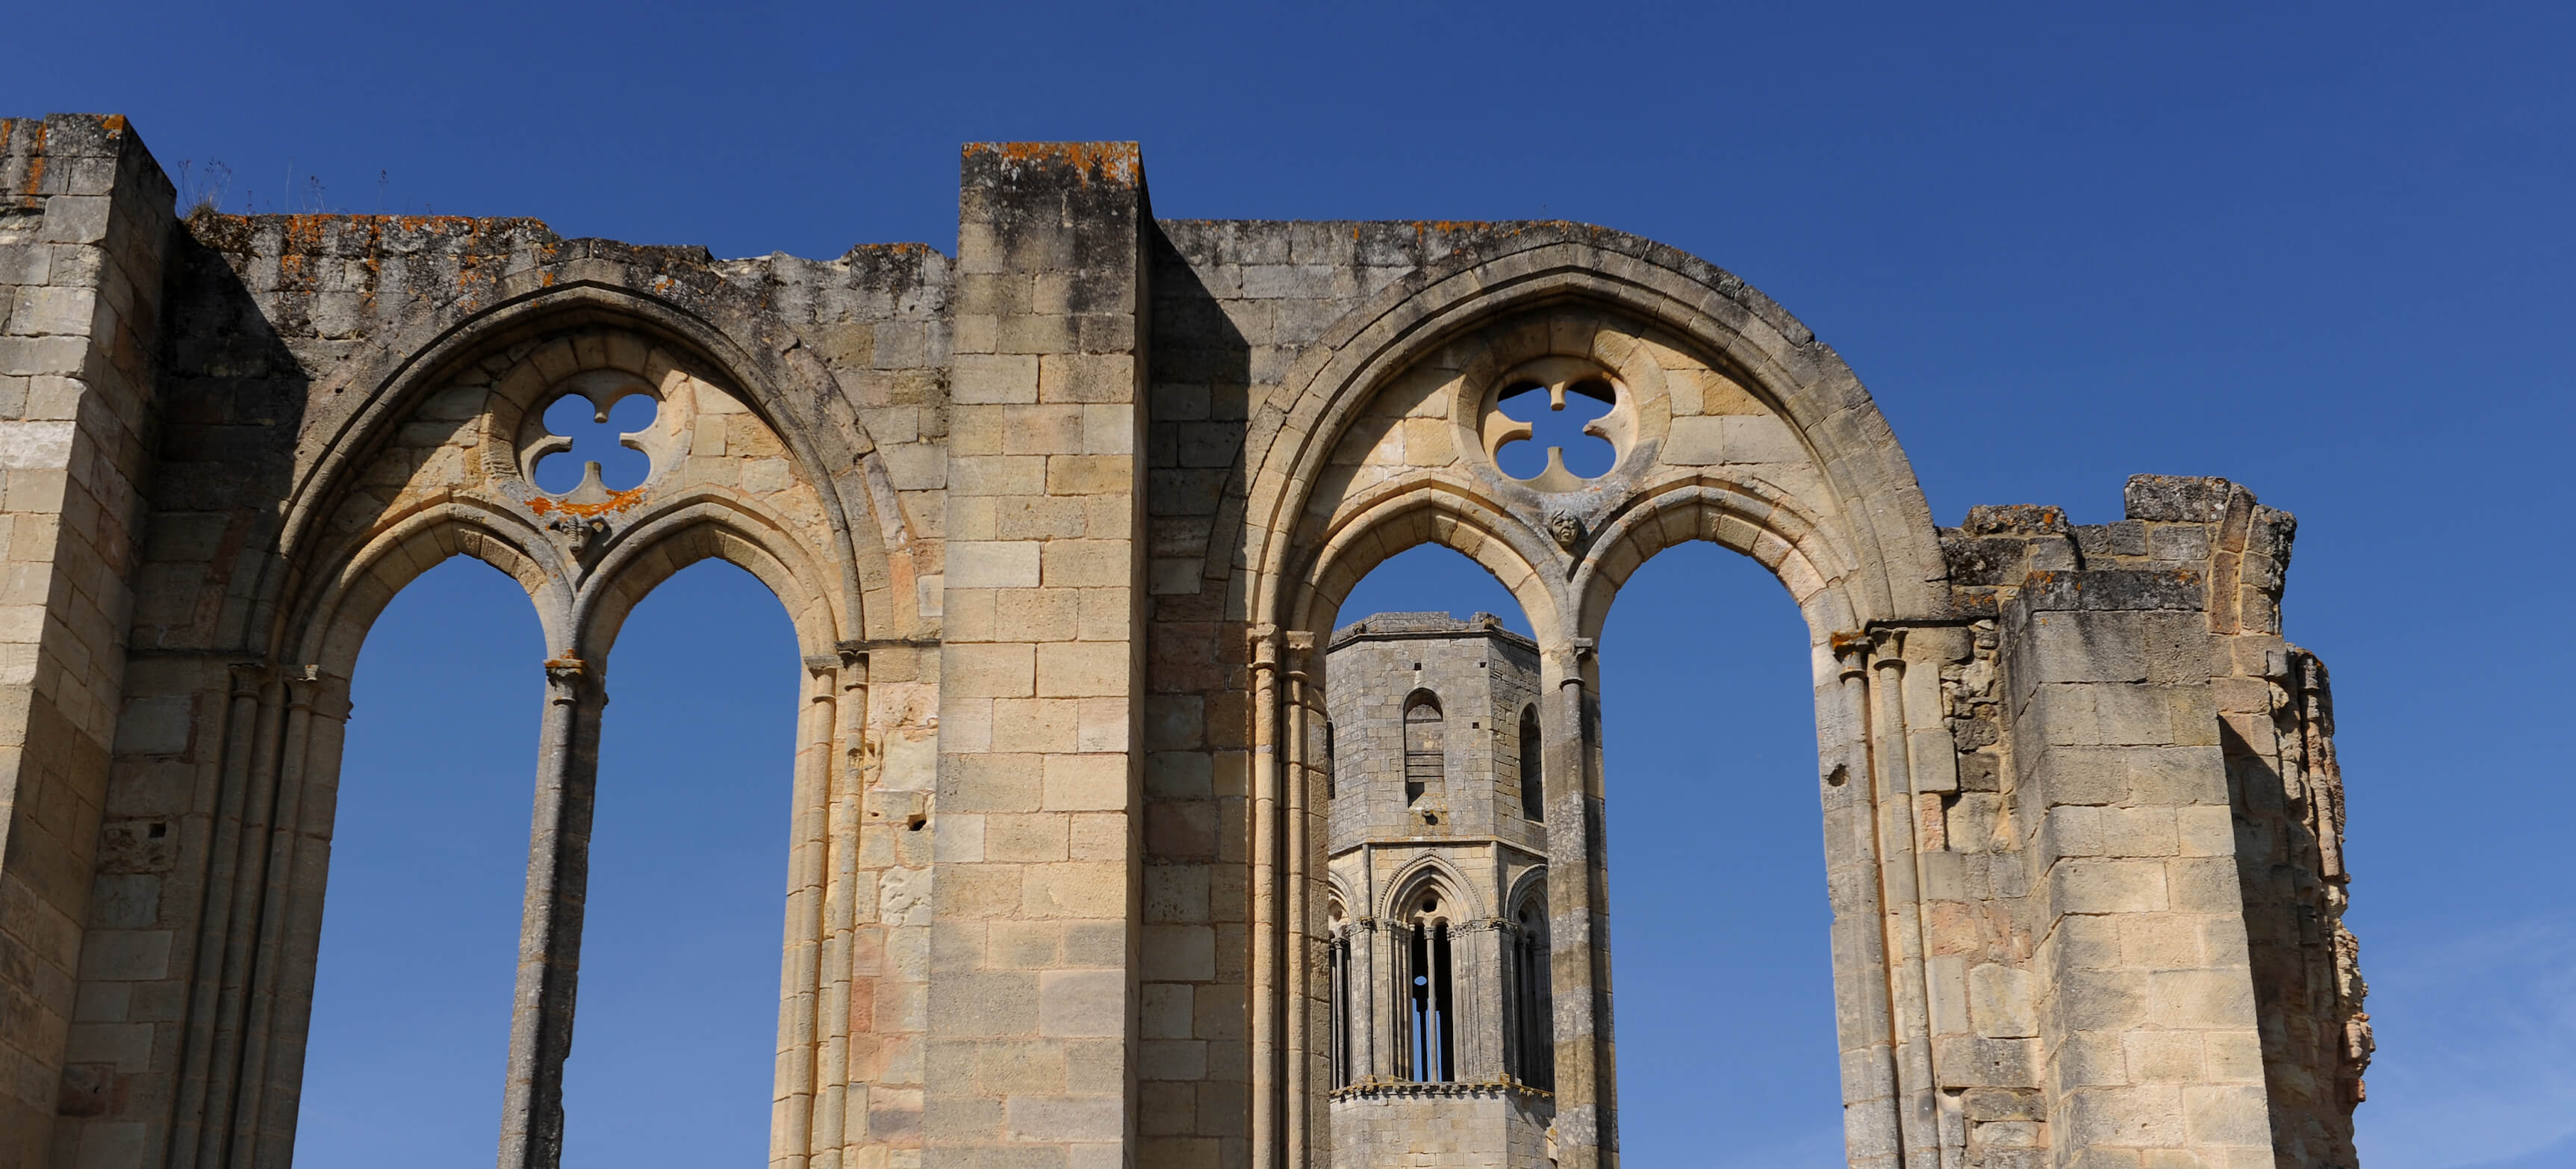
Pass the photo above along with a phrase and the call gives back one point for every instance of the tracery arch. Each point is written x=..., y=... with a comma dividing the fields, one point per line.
x=697, y=526
x=415, y=455
x=1809, y=482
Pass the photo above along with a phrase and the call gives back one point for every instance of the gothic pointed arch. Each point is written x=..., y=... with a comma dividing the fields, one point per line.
x=1727, y=422
x=1438, y=877
x=515, y=350
x=1732, y=329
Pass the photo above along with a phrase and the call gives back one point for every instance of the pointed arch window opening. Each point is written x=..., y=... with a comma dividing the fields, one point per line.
x=1431, y=1041
x=1337, y=989
x=1531, y=1012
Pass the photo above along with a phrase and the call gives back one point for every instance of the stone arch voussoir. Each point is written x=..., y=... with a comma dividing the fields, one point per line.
x=704, y=526
x=346, y=600
x=1886, y=520
x=1746, y=517
x=365, y=397
x=1432, y=872
x=1396, y=517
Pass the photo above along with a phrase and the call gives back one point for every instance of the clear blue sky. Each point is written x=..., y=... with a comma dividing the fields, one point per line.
x=2324, y=250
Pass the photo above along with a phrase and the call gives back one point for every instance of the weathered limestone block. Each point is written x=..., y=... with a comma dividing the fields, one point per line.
x=85, y=228
x=1043, y=586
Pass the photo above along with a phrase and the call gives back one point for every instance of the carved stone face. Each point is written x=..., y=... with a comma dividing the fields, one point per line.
x=1566, y=527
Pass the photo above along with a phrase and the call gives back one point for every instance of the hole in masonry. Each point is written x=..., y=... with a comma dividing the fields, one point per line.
x=157, y=831
x=1586, y=455
x=595, y=435
x=914, y=823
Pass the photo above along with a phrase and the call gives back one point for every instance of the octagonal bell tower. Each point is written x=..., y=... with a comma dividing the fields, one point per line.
x=1442, y=1051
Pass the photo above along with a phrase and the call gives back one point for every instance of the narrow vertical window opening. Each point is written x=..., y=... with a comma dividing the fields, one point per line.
x=1418, y=1000
x=1534, y=1049
x=1442, y=1016
x=1329, y=761
x=1533, y=783
x=1338, y=993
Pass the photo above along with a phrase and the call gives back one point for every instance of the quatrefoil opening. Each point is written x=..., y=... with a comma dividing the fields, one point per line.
x=593, y=432
x=1549, y=423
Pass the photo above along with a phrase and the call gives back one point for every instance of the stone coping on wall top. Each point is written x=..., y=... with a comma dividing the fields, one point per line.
x=1406, y=626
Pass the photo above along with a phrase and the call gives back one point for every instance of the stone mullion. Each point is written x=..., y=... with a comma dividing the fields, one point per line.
x=1873, y=1136
x=1575, y=958
x=1475, y=984
x=541, y=1020
x=1366, y=984
x=1499, y=1001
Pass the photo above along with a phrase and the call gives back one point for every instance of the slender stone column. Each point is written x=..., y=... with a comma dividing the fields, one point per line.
x=1893, y=789
x=843, y=728
x=532, y=1119
x=208, y=1083
x=1578, y=958
x=795, y=1129
x=1265, y=898
x=290, y=900
x=1508, y=997
x=1302, y=872
x=1872, y=1137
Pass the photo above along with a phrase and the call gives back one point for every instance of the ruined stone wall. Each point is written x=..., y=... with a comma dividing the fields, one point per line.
x=2193, y=912
x=1062, y=524
x=85, y=229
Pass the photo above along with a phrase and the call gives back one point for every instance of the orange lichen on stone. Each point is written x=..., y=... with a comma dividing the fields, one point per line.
x=1116, y=162
x=617, y=501
x=35, y=161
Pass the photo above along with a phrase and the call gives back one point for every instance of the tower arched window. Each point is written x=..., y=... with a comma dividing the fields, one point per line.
x=1531, y=1013
x=1533, y=784
x=1427, y=977
x=1337, y=989
x=1425, y=745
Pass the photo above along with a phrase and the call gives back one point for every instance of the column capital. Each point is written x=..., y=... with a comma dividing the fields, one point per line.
x=1887, y=647
x=571, y=679
x=1297, y=648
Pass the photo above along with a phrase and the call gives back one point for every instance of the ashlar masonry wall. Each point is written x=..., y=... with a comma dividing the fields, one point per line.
x=1062, y=522
x=85, y=230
